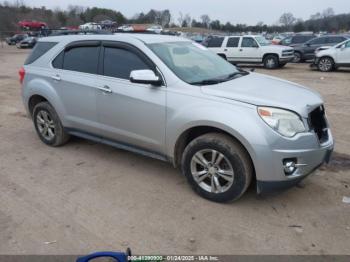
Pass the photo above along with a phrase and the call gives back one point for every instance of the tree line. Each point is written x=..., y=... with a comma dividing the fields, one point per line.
x=12, y=12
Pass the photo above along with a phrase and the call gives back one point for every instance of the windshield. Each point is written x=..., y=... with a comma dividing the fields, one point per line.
x=194, y=63
x=262, y=41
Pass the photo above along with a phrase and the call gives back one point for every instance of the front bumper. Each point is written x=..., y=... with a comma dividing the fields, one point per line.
x=286, y=59
x=274, y=186
x=308, y=159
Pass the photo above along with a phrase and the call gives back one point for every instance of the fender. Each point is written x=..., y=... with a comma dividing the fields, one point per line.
x=41, y=87
x=236, y=120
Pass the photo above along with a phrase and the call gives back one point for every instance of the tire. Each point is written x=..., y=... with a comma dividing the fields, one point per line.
x=45, y=119
x=271, y=62
x=297, y=57
x=235, y=161
x=325, y=64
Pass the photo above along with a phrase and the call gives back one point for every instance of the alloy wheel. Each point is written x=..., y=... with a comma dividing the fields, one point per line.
x=46, y=125
x=325, y=64
x=212, y=171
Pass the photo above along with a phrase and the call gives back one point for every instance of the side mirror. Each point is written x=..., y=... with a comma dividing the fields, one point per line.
x=342, y=47
x=145, y=77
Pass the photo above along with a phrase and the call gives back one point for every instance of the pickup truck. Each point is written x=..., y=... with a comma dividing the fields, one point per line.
x=250, y=49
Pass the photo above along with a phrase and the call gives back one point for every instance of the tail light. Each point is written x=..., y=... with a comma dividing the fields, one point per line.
x=21, y=73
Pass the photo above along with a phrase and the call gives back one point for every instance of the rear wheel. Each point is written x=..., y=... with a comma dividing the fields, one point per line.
x=271, y=62
x=48, y=126
x=217, y=167
x=325, y=64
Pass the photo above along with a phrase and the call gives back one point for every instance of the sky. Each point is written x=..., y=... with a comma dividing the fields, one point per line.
x=235, y=11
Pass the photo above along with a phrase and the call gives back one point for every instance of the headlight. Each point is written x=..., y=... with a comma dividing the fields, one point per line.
x=284, y=122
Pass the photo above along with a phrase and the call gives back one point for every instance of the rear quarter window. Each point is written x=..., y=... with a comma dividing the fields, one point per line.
x=39, y=50
x=216, y=42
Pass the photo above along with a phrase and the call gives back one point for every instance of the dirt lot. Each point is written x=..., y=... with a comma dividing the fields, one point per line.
x=85, y=196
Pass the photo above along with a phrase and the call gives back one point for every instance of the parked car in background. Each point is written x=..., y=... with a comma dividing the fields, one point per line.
x=28, y=42
x=90, y=26
x=277, y=39
x=172, y=99
x=155, y=28
x=296, y=40
x=307, y=50
x=250, y=49
x=80, y=32
x=125, y=28
x=333, y=57
x=32, y=24
x=15, y=39
x=108, y=24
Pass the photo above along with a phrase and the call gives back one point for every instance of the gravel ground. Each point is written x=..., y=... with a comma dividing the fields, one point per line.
x=86, y=196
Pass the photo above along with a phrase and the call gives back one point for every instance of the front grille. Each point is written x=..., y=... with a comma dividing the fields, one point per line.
x=318, y=123
x=288, y=52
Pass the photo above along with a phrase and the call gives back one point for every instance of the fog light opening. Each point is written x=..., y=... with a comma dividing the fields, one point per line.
x=289, y=166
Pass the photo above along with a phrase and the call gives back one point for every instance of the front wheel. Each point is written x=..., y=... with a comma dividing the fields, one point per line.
x=297, y=57
x=325, y=64
x=217, y=167
x=271, y=62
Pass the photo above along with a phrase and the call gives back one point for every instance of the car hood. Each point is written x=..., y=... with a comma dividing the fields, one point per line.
x=262, y=90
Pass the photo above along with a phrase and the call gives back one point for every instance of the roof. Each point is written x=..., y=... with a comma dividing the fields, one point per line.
x=146, y=38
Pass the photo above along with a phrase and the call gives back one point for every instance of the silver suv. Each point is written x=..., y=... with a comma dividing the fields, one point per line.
x=174, y=100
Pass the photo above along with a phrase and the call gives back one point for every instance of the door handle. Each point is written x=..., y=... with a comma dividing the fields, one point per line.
x=105, y=89
x=56, y=77
x=225, y=49
x=240, y=50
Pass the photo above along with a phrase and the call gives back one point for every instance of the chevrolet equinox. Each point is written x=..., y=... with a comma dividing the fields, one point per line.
x=172, y=99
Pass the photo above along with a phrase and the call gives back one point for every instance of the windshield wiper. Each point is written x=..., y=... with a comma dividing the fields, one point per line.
x=215, y=81
x=207, y=82
x=235, y=74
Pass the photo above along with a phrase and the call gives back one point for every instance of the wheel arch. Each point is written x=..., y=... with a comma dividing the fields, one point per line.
x=195, y=131
x=39, y=90
x=327, y=56
x=274, y=54
x=33, y=101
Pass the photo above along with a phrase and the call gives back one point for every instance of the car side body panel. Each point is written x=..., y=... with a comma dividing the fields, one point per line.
x=230, y=106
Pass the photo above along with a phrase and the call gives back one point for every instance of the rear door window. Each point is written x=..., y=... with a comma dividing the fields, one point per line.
x=40, y=49
x=82, y=59
x=233, y=42
x=119, y=62
x=248, y=42
x=216, y=42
